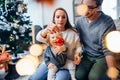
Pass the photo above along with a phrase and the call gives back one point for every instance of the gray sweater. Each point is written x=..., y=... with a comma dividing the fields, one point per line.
x=58, y=60
x=92, y=34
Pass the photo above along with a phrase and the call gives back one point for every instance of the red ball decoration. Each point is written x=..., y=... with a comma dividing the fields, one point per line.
x=59, y=41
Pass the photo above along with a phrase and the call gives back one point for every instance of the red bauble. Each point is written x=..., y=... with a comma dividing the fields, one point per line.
x=59, y=41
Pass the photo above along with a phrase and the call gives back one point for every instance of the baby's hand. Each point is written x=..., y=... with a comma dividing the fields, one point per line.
x=50, y=65
x=60, y=49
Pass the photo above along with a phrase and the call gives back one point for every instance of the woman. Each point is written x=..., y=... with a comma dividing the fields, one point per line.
x=60, y=23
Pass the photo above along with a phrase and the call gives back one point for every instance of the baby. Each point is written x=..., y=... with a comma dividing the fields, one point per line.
x=55, y=56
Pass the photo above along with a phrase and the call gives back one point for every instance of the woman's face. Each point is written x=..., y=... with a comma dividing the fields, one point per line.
x=60, y=19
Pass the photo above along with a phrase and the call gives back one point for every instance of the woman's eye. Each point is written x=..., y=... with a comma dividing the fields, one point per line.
x=57, y=16
x=63, y=17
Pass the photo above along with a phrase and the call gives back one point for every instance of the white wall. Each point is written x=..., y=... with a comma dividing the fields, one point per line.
x=34, y=11
x=41, y=14
x=66, y=4
x=110, y=7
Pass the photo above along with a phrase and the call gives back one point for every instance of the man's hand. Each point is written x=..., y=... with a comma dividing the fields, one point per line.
x=77, y=59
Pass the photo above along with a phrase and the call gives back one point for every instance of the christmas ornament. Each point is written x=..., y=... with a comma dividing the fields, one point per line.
x=4, y=56
x=59, y=41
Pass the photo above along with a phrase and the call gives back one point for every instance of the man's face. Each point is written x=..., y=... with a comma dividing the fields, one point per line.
x=92, y=7
x=91, y=3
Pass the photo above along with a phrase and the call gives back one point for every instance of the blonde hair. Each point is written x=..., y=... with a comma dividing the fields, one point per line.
x=58, y=34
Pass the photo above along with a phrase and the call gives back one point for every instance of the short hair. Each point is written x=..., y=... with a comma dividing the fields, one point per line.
x=98, y=2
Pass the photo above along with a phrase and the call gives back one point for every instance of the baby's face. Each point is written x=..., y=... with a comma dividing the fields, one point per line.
x=53, y=37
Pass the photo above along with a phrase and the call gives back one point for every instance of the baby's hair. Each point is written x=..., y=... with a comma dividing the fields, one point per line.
x=59, y=34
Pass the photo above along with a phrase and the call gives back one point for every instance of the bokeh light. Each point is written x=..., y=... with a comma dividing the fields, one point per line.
x=46, y=2
x=27, y=65
x=112, y=41
x=82, y=9
x=36, y=50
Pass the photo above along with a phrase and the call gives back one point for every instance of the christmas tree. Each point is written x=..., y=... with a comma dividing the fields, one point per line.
x=15, y=26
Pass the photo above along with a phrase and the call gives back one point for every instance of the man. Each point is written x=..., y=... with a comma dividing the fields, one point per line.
x=92, y=28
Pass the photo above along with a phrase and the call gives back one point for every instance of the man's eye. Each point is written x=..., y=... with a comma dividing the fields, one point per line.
x=91, y=7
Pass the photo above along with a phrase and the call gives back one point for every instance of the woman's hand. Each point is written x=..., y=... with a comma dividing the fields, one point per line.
x=77, y=59
x=51, y=28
